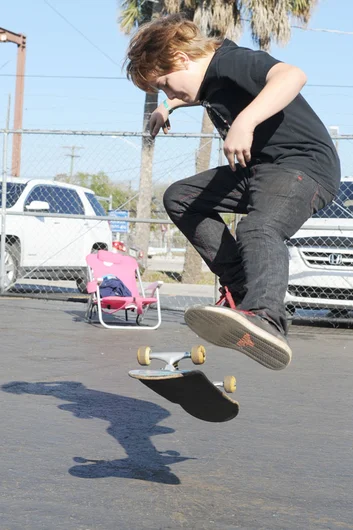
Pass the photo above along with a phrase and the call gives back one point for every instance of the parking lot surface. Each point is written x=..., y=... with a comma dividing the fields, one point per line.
x=85, y=447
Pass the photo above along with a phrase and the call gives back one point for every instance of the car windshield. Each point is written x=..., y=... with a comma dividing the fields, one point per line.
x=342, y=206
x=13, y=191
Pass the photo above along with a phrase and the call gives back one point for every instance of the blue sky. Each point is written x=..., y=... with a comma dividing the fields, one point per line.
x=54, y=48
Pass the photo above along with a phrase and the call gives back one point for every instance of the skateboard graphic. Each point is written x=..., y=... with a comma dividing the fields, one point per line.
x=190, y=389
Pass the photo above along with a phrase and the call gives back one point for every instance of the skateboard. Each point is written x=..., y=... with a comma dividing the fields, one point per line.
x=190, y=389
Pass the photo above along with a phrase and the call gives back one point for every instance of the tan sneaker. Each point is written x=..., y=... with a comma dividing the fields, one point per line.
x=243, y=331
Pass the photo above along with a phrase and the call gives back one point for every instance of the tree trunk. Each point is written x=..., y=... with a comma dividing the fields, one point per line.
x=145, y=188
x=146, y=172
x=193, y=262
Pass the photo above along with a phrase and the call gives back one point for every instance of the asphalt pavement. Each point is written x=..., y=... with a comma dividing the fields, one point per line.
x=85, y=447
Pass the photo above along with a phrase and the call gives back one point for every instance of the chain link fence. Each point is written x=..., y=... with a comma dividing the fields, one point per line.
x=77, y=190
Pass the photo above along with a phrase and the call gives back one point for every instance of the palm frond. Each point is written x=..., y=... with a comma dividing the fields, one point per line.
x=270, y=19
x=172, y=6
x=302, y=9
x=218, y=18
x=129, y=15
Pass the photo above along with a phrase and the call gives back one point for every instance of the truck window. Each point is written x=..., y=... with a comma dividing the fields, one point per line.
x=41, y=193
x=13, y=192
x=96, y=205
x=67, y=201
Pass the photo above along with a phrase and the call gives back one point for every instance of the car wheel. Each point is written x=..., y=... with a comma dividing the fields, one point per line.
x=98, y=247
x=11, y=267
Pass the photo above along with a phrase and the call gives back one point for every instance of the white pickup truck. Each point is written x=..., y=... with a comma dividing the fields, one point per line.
x=52, y=247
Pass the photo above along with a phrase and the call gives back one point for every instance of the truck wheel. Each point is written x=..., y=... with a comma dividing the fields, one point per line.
x=11, y=266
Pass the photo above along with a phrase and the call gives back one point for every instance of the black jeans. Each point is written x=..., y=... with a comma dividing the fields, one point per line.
x=255, y=265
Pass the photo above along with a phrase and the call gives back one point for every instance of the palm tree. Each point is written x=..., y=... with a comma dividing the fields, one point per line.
x=269, y=20
x=134, y=13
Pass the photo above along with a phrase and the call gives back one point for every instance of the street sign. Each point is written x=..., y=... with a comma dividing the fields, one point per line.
x=121, y=227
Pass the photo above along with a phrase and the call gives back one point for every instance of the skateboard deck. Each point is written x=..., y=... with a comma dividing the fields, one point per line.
x=192, y=390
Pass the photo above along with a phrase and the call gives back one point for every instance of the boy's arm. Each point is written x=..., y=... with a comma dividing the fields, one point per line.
x=283, y=84
x=160, y=116
x=177, y=103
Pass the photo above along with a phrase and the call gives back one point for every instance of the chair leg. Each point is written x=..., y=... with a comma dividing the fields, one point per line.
x=139, y=318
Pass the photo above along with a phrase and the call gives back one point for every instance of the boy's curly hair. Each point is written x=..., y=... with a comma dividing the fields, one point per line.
x=151, y=52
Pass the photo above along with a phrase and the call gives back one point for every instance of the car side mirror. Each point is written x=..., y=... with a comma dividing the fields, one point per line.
x=38, y=206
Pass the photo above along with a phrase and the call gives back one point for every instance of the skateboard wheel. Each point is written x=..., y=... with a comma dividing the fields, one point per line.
x=198, y=354
x=143, y=355
x=230, y=384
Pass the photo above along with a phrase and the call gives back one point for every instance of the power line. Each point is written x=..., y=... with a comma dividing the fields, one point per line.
x=330, y=86
x=43, y=76
x=80, y=33
x=304, y=28
x=112, y=78
x=7, y=62
x=324, y=30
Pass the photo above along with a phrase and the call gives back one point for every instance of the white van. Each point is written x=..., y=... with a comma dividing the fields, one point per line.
x=51, y=247
x=321, y=257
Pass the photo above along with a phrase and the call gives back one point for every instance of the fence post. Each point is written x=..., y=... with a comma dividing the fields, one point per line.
x=3, y=214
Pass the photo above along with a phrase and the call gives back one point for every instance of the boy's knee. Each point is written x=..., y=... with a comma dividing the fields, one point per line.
x=245, y=226
x=171, y=199
x=250, y=226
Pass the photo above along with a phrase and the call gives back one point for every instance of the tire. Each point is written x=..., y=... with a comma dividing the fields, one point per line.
x=11, y=266
x=98, y=247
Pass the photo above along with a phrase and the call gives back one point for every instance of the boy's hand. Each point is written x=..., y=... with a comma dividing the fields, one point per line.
x=238, y=142
x=159, y=120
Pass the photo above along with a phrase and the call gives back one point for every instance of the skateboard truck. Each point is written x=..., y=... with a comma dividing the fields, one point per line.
x=145, y=355
x=197, y=354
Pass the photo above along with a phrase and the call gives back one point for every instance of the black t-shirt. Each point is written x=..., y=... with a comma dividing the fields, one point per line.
x=295, y=137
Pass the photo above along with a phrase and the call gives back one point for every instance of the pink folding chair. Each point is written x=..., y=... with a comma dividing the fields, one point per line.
x=126, y=269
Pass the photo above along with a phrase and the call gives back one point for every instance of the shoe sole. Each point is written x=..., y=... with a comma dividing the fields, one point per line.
x=229, y=329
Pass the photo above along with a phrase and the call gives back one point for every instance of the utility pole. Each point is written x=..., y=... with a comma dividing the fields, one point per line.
x=20, y=40
x=72, y=156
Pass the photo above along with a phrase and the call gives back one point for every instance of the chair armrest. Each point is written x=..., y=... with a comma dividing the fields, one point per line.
x=92, y=287
x=154, y=286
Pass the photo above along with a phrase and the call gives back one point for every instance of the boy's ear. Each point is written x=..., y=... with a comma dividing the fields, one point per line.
x=182, y=58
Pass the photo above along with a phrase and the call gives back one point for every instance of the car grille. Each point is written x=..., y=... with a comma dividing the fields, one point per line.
x=320, y=292
x=320, y=241
x=327, y=259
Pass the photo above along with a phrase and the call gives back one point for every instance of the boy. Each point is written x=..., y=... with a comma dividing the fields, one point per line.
x=287, y=169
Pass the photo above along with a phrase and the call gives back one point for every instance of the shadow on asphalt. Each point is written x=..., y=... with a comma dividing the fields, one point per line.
x=132, y=423
x=168, y=315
